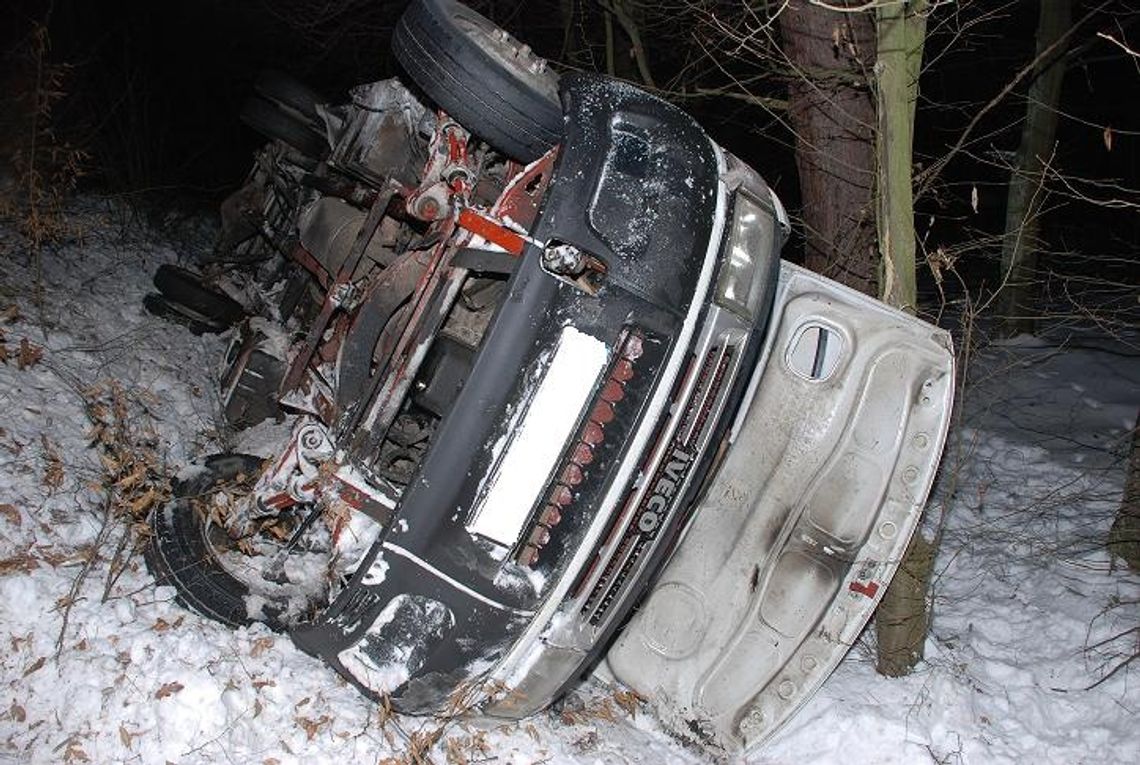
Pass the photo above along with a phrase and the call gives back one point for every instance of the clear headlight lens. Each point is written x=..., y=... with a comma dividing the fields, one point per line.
x=749, y=247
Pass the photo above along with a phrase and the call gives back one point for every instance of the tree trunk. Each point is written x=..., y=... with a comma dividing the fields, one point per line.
x=903, y=617
x=833, y=116
x=1026, y=185
x=901, y=33
x=1124, y=537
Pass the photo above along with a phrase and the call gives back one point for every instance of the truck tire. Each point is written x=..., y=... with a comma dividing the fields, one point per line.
x=182, y=287
x=290, y=93
x=272, y=121
x=491, y=83
x=185, y=551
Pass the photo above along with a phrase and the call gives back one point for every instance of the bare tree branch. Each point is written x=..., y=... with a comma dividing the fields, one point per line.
x=924, y=179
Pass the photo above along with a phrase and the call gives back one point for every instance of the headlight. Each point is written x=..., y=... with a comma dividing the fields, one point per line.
x=749, y=247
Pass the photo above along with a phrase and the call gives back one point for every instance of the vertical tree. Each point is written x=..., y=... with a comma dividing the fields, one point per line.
x=1027, y=180
x=831, y=51
x=1124, y=537
x=901, y=32
x=903, y=616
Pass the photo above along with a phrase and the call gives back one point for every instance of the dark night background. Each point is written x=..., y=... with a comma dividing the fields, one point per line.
x=153, y=91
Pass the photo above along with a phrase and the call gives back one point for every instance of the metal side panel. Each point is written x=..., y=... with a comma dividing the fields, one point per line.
x=805, y=523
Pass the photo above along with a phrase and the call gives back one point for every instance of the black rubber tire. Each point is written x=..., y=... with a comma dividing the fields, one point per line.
x=449, y=51
x=273, y=122
x=199, y=325
x=183, y=287
x=291, y=93
x=179, y=555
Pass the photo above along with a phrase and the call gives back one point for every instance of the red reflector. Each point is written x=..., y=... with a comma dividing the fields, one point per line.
x=869, y=589
x=550, y=516
x=612, y=392
x=583, y=454
x=561, y=496
x=593, y=434
x=572, y=475
x=603, y=412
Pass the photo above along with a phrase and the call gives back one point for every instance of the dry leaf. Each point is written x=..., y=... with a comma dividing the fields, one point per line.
x=168, y=689
x=12, y=514
x=141, y=505
x=260, y=646
x=75, y=753
x=130, y=479
x=974, y=198
x=628, y=700
x=25, y=563
x=312, y=727
x=1108, y=137
x=29, y=355
x=124, y=736
x=53, y=473
x=35, y=666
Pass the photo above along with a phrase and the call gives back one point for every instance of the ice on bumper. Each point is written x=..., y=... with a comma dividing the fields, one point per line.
x=395, y=646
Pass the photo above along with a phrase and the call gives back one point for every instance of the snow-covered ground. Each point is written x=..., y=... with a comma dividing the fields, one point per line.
x=1024, y=597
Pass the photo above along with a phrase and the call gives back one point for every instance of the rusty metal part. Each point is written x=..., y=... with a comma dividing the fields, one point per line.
x=432, y=202
x=391, y=289
x=367, y=425
x=563, y=259
x=356, y=194
x=574, y=265
x=493, y=231
x=334, y=295
x=449, y=172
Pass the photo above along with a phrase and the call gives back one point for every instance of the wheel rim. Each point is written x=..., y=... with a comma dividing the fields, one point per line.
x=305, y=582
x=510, y=52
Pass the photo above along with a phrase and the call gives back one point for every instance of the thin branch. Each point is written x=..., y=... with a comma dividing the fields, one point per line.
x=1117, y=43
x=748, y=98
x=77, y=583
x=924, y=179
x=621, y=13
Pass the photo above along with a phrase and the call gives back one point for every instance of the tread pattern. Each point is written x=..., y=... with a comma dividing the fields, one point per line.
x=272, y=122
x=471, y=85
x=177, y=553
x=184, y=287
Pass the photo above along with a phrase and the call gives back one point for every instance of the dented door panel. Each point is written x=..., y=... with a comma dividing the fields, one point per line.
x=804, y=525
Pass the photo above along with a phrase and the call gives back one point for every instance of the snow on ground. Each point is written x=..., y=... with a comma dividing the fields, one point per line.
x=1023, y=597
